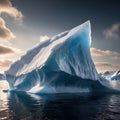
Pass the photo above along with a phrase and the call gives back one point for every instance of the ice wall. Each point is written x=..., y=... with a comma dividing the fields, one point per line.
x=67, y=53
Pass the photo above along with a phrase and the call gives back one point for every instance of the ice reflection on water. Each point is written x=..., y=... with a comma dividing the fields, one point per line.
x=22, y=106
x=3, y=100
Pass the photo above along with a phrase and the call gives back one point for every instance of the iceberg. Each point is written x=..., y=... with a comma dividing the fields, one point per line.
x=116, y=76
x=62, y=63
x=111, y=75
x=111, y=80
x=48, y=63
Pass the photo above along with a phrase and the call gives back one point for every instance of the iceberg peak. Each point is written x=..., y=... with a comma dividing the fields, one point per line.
x=66, y=54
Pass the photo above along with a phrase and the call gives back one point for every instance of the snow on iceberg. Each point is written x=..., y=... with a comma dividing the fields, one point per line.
x=60, y=64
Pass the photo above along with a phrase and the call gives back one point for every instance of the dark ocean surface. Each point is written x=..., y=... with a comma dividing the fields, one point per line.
x=83, y=106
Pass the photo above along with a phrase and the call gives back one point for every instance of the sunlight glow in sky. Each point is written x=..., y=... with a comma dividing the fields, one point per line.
x=25, y=23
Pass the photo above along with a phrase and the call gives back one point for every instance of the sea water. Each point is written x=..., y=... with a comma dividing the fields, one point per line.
x=82, y=106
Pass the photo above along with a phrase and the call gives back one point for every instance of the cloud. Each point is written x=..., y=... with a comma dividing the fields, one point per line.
x=106, y=53
x=103, y=66
x=6, y=50
x=43, y=38
x=8, y=55
x=113, y=31
x=9, y=51
x=5, y=33
x=5, y=63
x=99, y=64
x=7, y=7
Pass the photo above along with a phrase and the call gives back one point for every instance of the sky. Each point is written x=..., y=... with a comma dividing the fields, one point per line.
x=24, y=23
